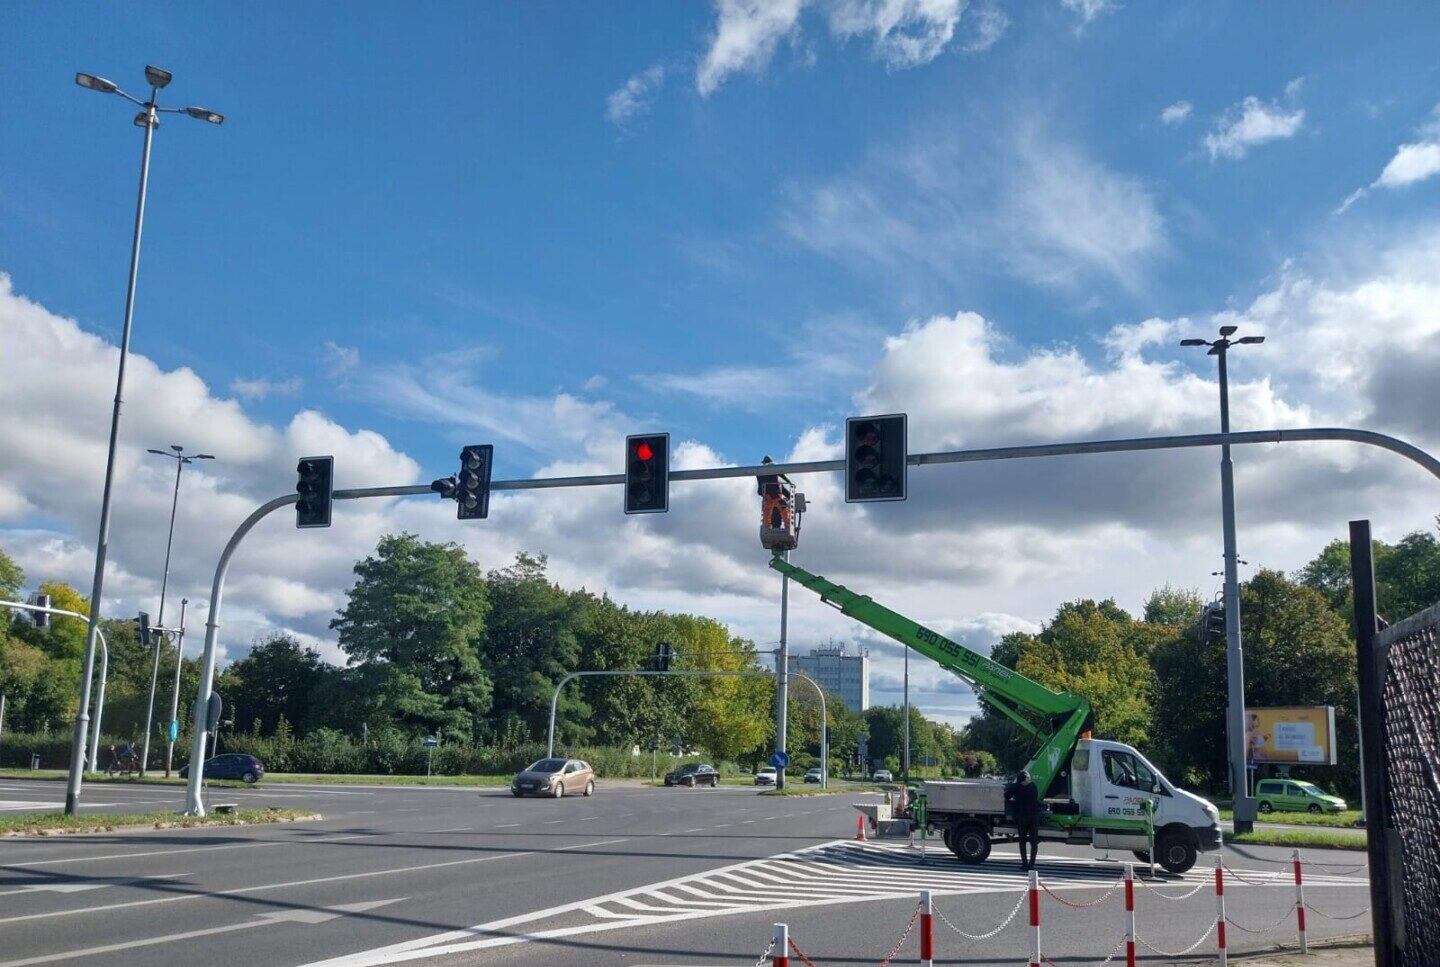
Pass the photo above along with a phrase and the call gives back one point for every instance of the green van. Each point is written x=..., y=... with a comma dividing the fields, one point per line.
x=1293, y=796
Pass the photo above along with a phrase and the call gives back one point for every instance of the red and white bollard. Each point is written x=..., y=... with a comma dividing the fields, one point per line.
x=1299, y=903
x=780, y=951
x=1129, y=915
x=927, y=930
x=1220, y=909
x=1034, y=919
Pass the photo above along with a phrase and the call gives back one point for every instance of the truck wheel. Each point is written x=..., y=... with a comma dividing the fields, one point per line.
x=970, y=842
x=1175, y=852
x=1143, y=855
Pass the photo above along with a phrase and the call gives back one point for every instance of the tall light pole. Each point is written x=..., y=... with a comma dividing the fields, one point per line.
x=176, y=453
x=149, y=119
x=1234, y=656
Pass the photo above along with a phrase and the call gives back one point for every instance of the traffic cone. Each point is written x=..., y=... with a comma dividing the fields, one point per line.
x=859, y=829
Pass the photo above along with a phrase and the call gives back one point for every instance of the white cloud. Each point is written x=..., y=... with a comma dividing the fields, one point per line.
x=1253, y=122
x=1037, y=206
x=339, y=360
x=984, y=26
x=594, y=383
x=1412, y=163
x=260, y=387
x=1088, y=10
x=635, y=96
x=906, y=33
x=746, y=35
x=1176, y=113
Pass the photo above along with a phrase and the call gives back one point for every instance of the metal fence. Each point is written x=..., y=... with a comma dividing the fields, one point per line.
x=1399, y=668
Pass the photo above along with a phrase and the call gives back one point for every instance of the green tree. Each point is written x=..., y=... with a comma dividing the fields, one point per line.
x=417, y=611
x=1173, y=607
x=275, y=680
x=12, y=578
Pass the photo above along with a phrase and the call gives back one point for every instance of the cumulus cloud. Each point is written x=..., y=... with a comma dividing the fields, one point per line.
x=1088, y=10
x=746, y=35
x=260, y=387
x=635, y=96
x=1036, y=205
x=1254, y=122
x=1412, y=163
x=1177, y=113
x=904, y=33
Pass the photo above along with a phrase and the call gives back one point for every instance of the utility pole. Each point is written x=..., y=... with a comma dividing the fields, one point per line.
x=175, y=690
x=782, y=674
x=905, y=762
x=1244, y=805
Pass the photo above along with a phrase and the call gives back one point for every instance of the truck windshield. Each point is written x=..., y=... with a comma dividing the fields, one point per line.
x=1124, y=769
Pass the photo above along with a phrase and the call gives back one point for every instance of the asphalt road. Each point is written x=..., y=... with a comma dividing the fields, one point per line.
x=631, y=876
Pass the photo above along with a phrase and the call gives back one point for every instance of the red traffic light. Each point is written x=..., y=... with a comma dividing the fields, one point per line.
x=643, y=451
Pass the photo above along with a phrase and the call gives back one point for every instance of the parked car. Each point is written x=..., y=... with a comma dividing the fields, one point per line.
x=230, y=766
x=882, y=775
x=557, y=778
x=694, y=774
x=1293, y=796
x=765, y=777
x=814, y=775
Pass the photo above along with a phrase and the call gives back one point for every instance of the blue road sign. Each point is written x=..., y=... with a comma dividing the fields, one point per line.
x=780, y=760
x=431, y=742
x=174, y=731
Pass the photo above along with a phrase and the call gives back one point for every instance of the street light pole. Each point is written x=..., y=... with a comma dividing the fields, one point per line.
x=178, y=455
x=782, y=675
x=175, y=690
x=1244, y=805
x=148, y=119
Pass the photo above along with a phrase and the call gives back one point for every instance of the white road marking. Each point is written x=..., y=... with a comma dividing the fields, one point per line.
x=261, y=844
x=340, y=878
x=507, y=825
x=305, y=916
x=700, y=830
x=81, y=887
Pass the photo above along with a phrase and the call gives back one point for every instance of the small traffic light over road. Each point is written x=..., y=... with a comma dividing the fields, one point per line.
x=647, y=473
x=875, y=458
x=144, y=623
x=315, y=487
x=1214, y=622
x=663, y=656
x=472, y=492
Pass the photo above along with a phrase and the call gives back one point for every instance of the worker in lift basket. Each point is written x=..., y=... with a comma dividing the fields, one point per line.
x=1024, y=797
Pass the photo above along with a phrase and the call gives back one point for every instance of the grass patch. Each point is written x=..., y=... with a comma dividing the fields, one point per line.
x=813, y=790
x=1340, y=820
x=1318, y=839
x=51, y=824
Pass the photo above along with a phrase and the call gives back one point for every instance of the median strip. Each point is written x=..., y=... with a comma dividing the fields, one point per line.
x=59, y=824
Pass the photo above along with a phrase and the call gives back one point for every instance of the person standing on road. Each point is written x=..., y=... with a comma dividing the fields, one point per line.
x=1024, y=797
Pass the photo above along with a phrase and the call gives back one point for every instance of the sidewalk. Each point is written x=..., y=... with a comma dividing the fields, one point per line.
x=1354, y=952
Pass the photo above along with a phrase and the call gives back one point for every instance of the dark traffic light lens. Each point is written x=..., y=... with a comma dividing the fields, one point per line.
x=868, y=434
x=639, y=492
x=867, y=456
x=867, y=481
x=640, y=469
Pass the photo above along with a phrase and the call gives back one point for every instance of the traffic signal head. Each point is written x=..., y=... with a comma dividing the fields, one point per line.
x=144, y=622
x=1214, y=620
x=875, y=458
x=663, y=655
x=472, y=491
x=315, y=485
x=40, y=619
x=647, y=473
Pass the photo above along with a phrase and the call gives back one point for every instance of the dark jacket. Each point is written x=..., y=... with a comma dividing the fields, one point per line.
x=1024, y=796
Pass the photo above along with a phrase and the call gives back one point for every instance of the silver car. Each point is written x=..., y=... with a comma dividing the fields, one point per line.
x=555, y=777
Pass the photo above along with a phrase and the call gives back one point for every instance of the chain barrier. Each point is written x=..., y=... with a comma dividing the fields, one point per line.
x=801, y=954
x=1263, y=930
x=1081, y=906
x=1276, y=878
x=1327, y=868
x=1111, y=956
x=1353, y=916
x=766, y=955
x=986, y=936
x=1178, y=953
x=903, y=937
x=1181, y=896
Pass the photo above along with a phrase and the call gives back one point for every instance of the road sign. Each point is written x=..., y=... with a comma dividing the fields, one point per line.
x=173, y=732
x=212, y=717
x=431, y=742
x=780, y=760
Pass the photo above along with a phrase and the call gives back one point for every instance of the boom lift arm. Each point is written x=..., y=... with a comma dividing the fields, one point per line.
x=1055, y=718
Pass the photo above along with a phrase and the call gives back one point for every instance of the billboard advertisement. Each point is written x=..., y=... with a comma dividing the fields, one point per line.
x=1293, y=736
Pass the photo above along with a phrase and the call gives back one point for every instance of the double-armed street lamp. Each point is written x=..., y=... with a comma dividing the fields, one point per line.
x=181, y=458
x=1234, y=656
x=149, y=119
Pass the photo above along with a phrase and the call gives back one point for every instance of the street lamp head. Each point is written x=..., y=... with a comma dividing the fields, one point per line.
x=176, y=447
x=1252, y=340
x=157, y=76
x=1193, y=342
x=204, y=456
x=204, y=114
x=143, y=120
x=94, y=83
x=1228, y=330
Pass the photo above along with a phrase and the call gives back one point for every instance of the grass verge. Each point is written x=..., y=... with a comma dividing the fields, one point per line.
x=1317, y=839
x=835, y=789
x=1341, y=820
x=55, y=824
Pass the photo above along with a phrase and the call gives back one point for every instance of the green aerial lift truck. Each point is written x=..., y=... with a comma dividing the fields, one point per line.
x=1096, y=791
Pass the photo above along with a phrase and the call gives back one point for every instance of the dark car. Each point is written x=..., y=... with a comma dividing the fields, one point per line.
x=232, y=766
x=556, y=778
x=695, y=774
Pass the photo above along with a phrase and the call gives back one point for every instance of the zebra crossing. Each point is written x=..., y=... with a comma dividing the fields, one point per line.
x=837, y=872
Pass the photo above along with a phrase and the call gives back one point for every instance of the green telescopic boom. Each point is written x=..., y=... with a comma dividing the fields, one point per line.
x=1055, y=718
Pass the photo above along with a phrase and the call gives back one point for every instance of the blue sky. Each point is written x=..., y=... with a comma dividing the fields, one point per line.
x=544, y=224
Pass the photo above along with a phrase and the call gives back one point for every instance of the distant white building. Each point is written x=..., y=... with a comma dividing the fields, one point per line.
x=838, y=671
